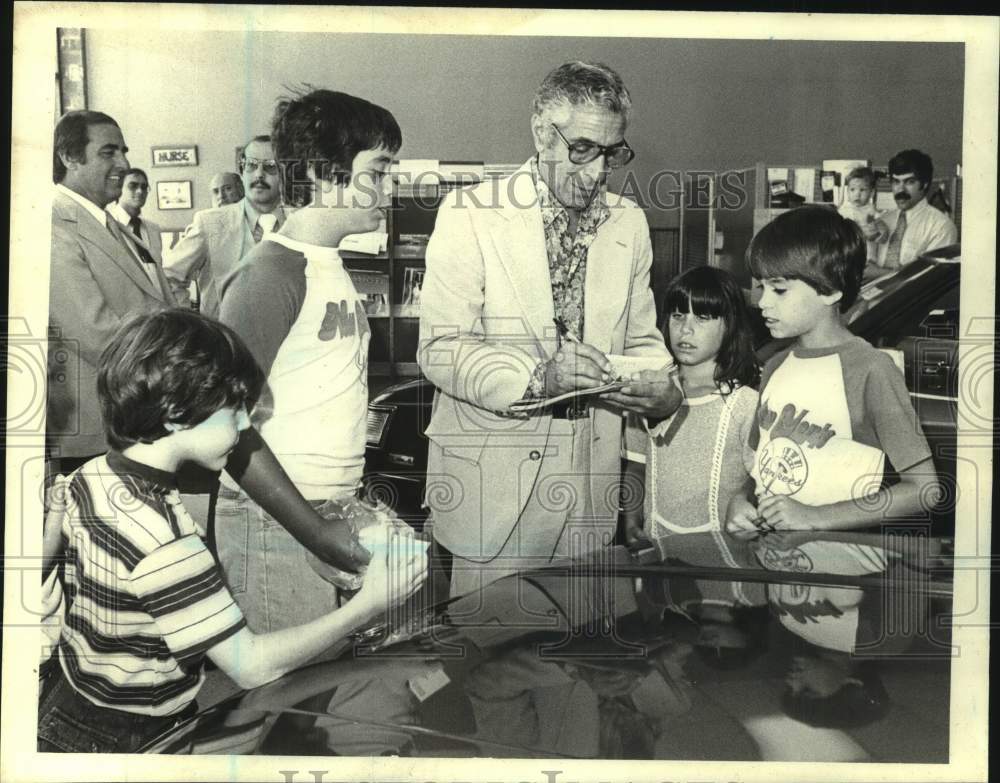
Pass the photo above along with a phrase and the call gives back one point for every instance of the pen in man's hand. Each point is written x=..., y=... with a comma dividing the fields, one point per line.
x=564, y=331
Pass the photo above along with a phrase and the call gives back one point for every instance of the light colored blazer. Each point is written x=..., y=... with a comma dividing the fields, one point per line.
x=94, y=285
x=208, y=251
x=485, y=322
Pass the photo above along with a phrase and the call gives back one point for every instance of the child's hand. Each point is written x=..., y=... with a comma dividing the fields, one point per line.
x=635, y=536
x=740, y=519
x=397, y=568
x=783, y=513
x=55, y=509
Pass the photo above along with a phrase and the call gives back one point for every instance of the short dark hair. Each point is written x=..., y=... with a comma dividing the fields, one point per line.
x=862, y=172
x=131, y=171
x=326, y=129
x=913, y=161
x=175, y=366
x=709, y=291
x=813, y=244
x=71, y=137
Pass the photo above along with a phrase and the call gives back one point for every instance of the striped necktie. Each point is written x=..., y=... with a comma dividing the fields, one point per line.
x=892, y=252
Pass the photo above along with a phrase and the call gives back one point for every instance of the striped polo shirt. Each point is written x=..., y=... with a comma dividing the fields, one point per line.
x=145, y=598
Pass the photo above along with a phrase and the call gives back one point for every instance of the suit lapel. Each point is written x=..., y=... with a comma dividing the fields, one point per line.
x=609, y=276
x=519, y=238
x=102, y=239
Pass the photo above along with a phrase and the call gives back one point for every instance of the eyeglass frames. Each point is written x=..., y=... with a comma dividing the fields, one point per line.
x=580, y=152
x=268, y=166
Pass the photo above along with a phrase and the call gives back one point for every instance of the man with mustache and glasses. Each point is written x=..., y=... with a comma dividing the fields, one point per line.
x=507, y=262
x=217, y=240
x=914, y=227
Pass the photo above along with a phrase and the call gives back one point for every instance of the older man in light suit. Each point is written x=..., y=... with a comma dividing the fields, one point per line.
x=505, y=261
x=99, y=275
x=213, y=245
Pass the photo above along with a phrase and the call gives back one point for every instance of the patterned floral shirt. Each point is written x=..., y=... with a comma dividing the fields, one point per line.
x=568, y=252
x=567, y=255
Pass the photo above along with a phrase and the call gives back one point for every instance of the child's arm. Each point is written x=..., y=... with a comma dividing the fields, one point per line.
x=258, y=472
x=635, y=478
x=251, y=660
x=917, y=488
x=55, y=508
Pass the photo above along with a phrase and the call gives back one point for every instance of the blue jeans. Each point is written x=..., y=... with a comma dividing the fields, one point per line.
x=266, y=568
x=70, y=723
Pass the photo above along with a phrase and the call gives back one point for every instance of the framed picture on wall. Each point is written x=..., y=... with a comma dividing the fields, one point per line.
x=173, y=194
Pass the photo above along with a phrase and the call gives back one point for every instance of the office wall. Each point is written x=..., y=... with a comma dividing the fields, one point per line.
x=700, y=105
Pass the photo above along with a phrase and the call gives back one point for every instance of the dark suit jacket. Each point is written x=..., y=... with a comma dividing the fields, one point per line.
x=95, y=284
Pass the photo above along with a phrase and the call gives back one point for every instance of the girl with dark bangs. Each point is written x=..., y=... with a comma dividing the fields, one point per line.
x=692, y=464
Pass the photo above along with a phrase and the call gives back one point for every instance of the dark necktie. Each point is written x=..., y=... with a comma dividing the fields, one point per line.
x=135, y=224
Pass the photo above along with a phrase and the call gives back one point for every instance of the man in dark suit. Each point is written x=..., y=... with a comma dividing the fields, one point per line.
x=128, y=212
x=98, y=277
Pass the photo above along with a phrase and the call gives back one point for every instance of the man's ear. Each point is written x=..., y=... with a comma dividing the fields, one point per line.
x=70, y=162
x=831, y=299
x=539, y=132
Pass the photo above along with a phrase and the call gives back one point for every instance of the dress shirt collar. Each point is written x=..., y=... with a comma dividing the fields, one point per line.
x=594, y=214
x=253, y=215
x=117, y=211
x=87, y=204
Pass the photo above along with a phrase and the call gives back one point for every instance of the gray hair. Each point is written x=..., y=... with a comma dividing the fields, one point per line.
x=579, y=83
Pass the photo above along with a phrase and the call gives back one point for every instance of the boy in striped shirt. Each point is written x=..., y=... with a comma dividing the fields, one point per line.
x=145, y=600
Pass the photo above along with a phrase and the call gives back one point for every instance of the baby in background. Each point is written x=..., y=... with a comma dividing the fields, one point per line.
x=858, y=206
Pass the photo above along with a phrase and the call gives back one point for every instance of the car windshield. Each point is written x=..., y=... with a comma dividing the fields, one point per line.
x=788, y=647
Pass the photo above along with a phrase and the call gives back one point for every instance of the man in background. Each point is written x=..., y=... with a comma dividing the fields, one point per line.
x=227, y=188
x=214, y=243
x=127, y=211
x=100, y=274
x=914, y=227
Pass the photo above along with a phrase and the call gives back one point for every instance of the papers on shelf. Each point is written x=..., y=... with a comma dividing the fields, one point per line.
x=371, y=243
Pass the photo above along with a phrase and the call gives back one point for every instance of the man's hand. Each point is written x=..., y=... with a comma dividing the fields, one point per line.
x=576, y=366
x=783, y=513
x=651, y=393
x=740, y=519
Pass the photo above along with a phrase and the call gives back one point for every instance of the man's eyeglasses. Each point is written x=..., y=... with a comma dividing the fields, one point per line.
x=268, y=166
x=137, y=186
x=580, y=152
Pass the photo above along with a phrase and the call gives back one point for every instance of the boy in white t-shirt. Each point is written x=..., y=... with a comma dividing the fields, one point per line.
x=832, y=408
x=833, y=413
x=293, y=302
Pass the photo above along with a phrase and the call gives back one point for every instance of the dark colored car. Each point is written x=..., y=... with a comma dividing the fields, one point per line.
x=913, y=313
x=793, y=647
